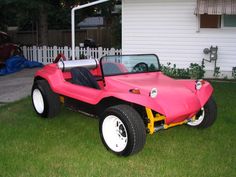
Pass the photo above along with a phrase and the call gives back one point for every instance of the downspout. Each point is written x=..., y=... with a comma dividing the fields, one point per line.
x=73, y=22
x=198, y=17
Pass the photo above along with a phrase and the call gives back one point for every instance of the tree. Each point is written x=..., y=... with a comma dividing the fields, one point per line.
x=44, y=14
x=19, y=11
x=40, y=9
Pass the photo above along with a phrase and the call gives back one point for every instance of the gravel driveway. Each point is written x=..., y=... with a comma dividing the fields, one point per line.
x=16, y=86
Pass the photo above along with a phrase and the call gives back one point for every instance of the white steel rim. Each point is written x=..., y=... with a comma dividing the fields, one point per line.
x=198, y=120
x=38, y=101
x=114, y=133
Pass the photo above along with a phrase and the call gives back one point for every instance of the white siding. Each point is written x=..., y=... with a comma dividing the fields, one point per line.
x=168, y=28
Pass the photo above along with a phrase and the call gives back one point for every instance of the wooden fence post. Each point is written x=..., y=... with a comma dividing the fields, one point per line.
x=100, y=52
x=55, y=53
x=44, y=56
x=24, y=48
x=40, y=57
x=66, y=52
x=112, y=51
x=35, y=58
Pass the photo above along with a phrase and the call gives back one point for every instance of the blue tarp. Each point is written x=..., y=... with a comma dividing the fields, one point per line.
x=17, y=63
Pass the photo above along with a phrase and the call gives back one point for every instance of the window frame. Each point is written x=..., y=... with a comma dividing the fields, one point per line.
x=222, y=27
x=219, y=21
x=222, y=24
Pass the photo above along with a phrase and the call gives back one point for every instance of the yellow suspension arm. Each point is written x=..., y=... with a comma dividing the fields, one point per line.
x=158, y=117
x=152, y=120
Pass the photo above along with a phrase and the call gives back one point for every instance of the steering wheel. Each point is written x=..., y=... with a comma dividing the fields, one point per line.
x=140, y=67
x=59, y=56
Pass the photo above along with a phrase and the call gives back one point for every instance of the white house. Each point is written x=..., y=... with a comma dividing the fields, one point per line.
x=179, y=30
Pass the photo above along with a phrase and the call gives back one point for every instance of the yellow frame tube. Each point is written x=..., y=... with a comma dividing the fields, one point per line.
x=62, y=99
x=152, y=120
x=158, y=117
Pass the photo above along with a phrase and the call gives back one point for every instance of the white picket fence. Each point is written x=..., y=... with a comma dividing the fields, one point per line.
x=45, y=54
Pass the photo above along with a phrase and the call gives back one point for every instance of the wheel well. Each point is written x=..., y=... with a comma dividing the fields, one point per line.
x=112, y=101
x=38, y=78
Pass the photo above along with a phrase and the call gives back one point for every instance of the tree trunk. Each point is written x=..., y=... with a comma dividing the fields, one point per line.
x=43, y=24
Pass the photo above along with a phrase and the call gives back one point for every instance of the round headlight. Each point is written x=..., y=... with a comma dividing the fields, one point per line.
x=153, y=93
x=199, y=84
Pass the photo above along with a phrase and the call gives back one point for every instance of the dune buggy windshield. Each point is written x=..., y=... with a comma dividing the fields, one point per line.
x=129, y=64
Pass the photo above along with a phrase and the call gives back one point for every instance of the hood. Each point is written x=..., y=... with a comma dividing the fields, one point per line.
x=177, y=99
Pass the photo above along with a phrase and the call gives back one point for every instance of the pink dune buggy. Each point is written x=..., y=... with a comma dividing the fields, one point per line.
x=129, y=94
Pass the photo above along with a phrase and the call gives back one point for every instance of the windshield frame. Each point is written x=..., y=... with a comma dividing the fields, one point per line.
x=101, y=65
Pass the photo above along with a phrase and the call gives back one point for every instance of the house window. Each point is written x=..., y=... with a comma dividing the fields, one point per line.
x=216, y=13
x=210, y=21
x=229, y=20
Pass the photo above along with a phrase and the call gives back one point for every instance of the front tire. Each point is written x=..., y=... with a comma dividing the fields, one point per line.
x=46, y=103
x=206, y=116
x=122, y=130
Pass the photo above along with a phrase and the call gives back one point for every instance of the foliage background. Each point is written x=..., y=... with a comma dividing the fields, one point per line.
x=42, y=15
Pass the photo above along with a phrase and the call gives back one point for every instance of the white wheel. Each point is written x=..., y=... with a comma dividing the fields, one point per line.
x=206, y=116
x=38, y=101
x=199, y=118
x=46, y=103
x=122, y=130
x=114, y=133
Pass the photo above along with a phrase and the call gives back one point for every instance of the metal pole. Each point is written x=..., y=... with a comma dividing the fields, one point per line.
x=73, y=22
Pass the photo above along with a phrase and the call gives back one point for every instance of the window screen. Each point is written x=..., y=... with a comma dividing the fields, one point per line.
x=229, y=20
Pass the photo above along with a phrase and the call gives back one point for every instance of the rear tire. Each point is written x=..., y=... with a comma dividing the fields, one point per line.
x=46, y=103
x=122, y=130
x=206, y=116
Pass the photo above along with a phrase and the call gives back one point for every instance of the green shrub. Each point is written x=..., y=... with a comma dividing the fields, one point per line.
x=195, y=71
x=234, y=72
x=175, y=72
x=216, y=72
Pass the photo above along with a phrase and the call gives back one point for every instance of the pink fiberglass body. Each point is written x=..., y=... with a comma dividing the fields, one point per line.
x=176, y=99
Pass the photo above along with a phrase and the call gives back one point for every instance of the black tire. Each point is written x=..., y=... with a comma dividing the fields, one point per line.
x=208, y=113
x=130, y=126
x=46, y=103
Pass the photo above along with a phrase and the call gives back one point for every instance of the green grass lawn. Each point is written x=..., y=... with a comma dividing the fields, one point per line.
x=69, y=145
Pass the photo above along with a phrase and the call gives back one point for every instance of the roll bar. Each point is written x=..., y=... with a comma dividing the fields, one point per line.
x=68, y=65
x=73, y=22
